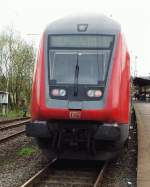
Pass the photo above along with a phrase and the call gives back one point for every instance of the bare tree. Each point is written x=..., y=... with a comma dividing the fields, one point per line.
x=16, y=67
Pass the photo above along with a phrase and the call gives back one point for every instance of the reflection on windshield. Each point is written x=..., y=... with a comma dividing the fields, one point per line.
x=93, y=65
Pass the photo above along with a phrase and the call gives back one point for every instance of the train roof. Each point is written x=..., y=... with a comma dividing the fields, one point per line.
x=96, y=24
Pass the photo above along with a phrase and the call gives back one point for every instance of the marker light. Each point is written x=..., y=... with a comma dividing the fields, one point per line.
x=94, y=93
x=58, y=92
x=55, y=92
x=98, y=93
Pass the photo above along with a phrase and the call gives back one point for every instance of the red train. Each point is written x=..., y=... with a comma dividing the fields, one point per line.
x=81, y=89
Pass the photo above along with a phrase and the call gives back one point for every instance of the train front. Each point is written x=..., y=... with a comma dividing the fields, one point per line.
x=80, y=99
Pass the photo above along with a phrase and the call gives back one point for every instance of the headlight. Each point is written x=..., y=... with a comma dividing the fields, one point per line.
x=94, y=93
x=62, y=92
x=58, y=92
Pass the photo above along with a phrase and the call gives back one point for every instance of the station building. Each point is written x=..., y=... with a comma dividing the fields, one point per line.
x=141, y=88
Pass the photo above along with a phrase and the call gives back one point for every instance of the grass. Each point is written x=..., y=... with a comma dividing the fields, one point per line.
x=26, y=151
x=12, y=114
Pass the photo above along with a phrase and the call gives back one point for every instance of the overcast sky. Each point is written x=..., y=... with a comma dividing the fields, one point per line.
x=31, y=17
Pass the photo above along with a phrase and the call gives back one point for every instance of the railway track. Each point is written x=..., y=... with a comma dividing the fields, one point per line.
x=12, y=120
x=58, y=176
x=2, y=140
x=13, y=124
x=12, y=128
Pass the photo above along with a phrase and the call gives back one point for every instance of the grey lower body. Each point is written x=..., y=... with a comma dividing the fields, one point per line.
x=79, y=139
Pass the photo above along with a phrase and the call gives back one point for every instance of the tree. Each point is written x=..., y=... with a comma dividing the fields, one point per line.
x=16, y=67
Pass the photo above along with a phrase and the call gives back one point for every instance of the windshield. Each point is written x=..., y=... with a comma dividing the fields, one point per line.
x=92, y=64
x=63, y=66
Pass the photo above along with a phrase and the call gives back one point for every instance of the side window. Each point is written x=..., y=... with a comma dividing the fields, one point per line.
x=103, y=61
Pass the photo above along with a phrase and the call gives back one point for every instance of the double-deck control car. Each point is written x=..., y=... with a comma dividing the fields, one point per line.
x=81, y=89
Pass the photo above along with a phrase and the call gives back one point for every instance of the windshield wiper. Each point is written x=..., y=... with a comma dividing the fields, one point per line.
x=76, y=78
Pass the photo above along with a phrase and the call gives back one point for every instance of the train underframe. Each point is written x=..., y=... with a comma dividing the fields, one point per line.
x=79, y=139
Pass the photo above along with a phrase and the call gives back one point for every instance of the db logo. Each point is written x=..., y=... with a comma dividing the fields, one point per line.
x=75, y=115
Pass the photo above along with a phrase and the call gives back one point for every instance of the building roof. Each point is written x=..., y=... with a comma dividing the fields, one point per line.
x=137, y=81
x=3, y=92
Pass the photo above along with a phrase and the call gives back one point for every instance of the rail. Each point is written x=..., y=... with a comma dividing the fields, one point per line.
x=12, y=120
x=11, y=136
x=49, y=177
x=8, y=131
x=13, y=125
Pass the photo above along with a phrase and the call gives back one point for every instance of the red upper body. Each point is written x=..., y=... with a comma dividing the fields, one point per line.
x=116, y=104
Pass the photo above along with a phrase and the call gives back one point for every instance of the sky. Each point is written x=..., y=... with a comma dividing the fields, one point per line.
x=31, y=17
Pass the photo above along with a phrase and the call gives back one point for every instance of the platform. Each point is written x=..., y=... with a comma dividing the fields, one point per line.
x=143, y=126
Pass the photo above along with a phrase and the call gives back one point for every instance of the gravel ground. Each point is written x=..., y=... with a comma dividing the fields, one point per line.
x=122, y=172
x=8, y=132
x=19, y=160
